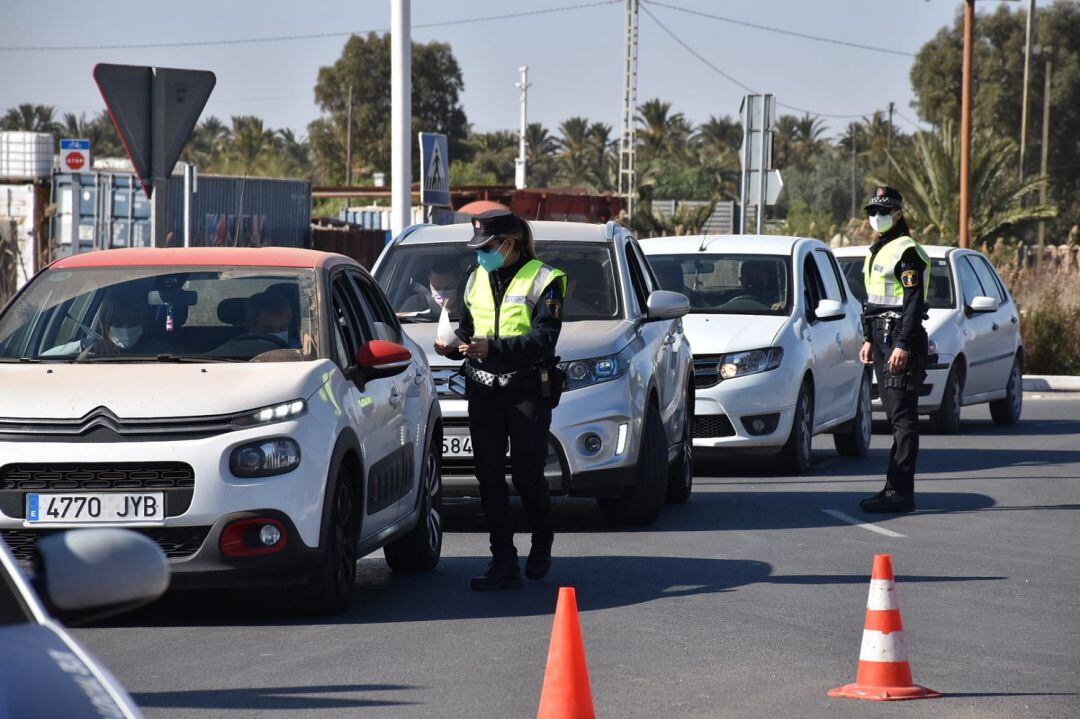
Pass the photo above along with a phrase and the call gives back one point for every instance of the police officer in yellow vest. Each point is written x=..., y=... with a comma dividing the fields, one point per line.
x=510, y=324
x=897, y=276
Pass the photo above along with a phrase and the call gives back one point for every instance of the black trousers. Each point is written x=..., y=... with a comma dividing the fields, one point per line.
x=899, y=393
x=494, y=419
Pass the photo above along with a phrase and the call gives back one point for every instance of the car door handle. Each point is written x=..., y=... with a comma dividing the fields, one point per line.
x=418, y=379
x=1013, y=319
x=395, y=397
x=995, y=326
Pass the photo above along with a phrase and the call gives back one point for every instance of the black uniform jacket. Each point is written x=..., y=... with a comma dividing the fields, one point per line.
x=511, y=354
x=913, y=310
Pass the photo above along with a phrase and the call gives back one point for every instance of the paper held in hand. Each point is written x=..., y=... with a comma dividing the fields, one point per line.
x=446, y=334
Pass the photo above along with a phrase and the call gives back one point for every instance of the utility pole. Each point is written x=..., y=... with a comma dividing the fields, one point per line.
x=1027, y=77
x=348, y=142
x=400, y=117
x=519, y=169
x=1045, y=154
x=965, y=124
x=627, y=141
x=888, y=144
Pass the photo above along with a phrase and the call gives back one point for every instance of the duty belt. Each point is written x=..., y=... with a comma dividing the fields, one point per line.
x=884, y=321
x=488, y=379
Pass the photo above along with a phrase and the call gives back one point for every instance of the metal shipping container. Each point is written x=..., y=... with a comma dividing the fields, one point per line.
x=103, y=210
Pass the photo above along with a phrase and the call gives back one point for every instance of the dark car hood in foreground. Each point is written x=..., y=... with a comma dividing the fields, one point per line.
x=41, y=676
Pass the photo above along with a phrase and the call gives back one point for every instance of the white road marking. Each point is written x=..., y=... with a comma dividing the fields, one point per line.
x=852, y=520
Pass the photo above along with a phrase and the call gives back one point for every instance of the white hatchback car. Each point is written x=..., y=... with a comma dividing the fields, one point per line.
x=776, y=336
x=257, y=412
x=974, y=328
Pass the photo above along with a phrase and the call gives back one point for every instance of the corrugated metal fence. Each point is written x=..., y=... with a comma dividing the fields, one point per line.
x=102, y=210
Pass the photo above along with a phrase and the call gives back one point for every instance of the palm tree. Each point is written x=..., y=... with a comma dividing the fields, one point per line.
x=718, y=142
x=540, y=151
x=929, y=178
x=28, y=117
x=660, y=133
x=605, y=156
x=577, y=156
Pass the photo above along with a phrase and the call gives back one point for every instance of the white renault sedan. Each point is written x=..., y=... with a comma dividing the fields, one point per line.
x=257, y=412
x=976, y=354
x=776, y=336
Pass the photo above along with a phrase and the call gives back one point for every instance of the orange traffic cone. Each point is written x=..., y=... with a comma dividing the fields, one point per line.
x=884, y=672
x=566, y=692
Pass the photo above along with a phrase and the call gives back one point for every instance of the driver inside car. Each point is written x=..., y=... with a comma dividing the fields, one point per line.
x=758, y=280
x=271, y=318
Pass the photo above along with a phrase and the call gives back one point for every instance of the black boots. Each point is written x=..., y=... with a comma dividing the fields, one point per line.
x=888, y=502
x=539, y=561
x=500, y=574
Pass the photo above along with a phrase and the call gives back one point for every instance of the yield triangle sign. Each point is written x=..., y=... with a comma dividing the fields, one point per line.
x=154, y=110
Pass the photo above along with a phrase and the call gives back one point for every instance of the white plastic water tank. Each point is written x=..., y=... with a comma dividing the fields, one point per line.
x=26, y=155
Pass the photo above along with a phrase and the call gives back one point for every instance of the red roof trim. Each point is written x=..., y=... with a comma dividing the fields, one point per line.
x=195, y=256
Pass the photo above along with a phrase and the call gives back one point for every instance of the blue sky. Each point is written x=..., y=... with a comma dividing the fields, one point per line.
x=575, y=57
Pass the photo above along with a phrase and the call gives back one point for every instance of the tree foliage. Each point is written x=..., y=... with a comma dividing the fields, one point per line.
x=364, y=66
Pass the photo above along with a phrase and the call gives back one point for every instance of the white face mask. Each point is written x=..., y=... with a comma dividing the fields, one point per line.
x=881, y=223
x=125, y=337
x=442, y=297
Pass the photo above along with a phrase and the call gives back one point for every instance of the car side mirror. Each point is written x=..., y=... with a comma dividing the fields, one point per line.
x=380, y=358
x=665, y=305
x=983, y=304
x=87, y=574
x=829, y=310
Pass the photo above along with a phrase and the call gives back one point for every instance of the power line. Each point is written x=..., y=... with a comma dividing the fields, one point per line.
x=290, y=38
x=914, y=123
x=735, y=80
x=781, y=31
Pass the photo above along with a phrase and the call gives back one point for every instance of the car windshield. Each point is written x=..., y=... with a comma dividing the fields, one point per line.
x=941, y=293
x=420, y=278
x=155, y=314
x=728, y=284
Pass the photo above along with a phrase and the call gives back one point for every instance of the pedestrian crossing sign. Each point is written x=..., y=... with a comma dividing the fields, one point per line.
x=434, y=170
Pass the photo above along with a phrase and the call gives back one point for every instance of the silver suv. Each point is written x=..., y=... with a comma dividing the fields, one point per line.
x=622, y=430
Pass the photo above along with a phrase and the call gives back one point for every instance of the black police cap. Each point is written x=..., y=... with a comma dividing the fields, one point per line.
x=491, y=224
x=885, y=197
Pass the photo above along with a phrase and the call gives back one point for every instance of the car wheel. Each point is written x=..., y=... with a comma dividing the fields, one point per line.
x=856, y=441
x=795, y=455
x=681, y=473
x=420, y=549
x=1007, y=409
x=640, y=505
x=330, y=589
x=946, y=420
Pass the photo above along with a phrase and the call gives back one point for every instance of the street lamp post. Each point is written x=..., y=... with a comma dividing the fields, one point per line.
x=400, y=116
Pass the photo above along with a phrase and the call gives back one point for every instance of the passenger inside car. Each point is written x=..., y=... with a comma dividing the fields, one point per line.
x=121, y=329
x=672, y=278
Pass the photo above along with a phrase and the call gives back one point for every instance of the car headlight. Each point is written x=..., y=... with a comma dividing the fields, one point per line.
x=737, y=364
x=265, y=458
x=586, y=372
x=273, y=413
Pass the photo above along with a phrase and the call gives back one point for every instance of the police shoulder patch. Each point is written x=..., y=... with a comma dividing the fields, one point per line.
x=910, y=278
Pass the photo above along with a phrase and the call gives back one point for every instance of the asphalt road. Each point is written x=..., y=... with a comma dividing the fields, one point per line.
x=746, y=602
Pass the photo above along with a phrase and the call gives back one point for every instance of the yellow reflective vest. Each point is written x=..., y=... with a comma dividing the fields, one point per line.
x=513, y=317
x=882, y=285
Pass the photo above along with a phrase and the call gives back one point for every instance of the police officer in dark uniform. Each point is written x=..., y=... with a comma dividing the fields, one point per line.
x=510, y=324
x=897, y=275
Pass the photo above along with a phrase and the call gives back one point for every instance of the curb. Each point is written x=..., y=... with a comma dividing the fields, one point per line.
x=1051, y=383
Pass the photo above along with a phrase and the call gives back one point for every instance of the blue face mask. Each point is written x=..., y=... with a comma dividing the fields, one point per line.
x=490, y=260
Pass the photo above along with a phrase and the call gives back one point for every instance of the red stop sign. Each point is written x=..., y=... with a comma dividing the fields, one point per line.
x=75, y=160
